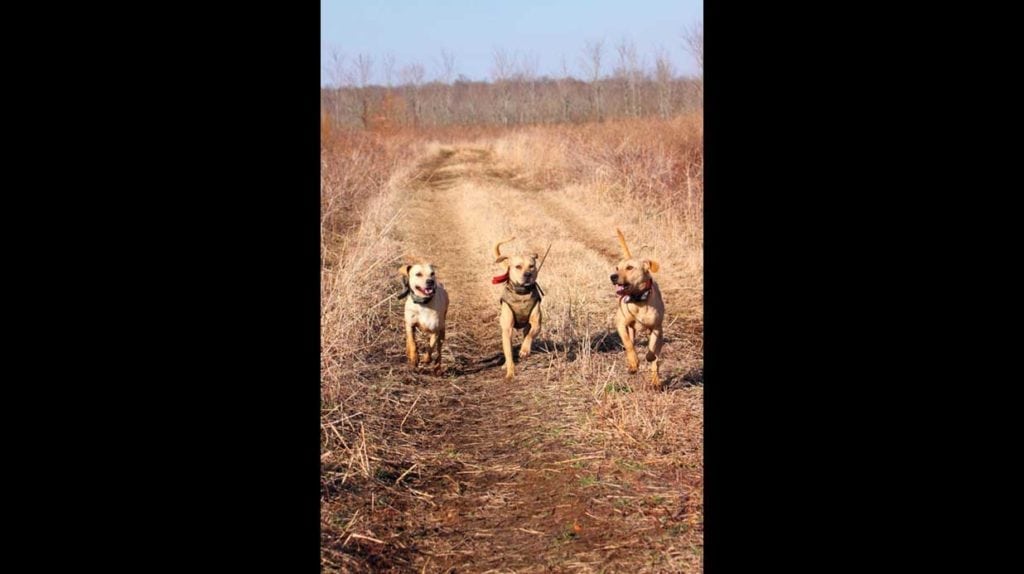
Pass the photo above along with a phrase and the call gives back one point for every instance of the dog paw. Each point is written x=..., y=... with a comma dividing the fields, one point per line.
x=523, y=355
x=655, y=380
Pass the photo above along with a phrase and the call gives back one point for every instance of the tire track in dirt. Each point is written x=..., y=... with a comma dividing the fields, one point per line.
x=506, y=498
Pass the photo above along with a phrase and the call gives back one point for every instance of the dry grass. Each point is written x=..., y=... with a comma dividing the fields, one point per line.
x=593, y=471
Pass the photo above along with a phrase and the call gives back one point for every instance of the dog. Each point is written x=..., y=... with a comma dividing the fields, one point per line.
x=520, y=302
x=425, y=309
x=640, y=302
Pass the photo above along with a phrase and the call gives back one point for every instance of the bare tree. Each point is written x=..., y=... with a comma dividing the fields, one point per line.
x=628, y=72
x=593, y=52
x=664, y=75
x=693, y=40
x=363, y=70
x=447, y=76
x=564, y=87
x=362, y=73
x=528, y=66
x=389, y=68
x=501, y=74
x=503, y=66
x=335, y=68
x=446, y=71
x=412, y=78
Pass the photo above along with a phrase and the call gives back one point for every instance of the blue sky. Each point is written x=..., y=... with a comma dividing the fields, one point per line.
x=417, y=30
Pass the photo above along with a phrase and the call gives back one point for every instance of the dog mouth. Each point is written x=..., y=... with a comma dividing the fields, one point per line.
x=621, y=288
x=425, y=290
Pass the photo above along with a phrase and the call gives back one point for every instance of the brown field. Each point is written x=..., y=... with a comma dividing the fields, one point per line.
x=575, y=465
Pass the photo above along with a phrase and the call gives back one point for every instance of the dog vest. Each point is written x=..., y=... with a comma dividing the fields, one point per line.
x=521, y=300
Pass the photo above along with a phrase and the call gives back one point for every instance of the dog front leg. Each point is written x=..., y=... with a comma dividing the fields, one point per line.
x=436, y=342
x=627, y=341
x=410, y=344
x=507, y=321
x=527, y=346
x=428, y=356
x=653, y=355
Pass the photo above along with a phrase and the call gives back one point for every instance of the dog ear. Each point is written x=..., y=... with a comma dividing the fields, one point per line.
x=501, y=259
x=651, y=265
x=404, y=270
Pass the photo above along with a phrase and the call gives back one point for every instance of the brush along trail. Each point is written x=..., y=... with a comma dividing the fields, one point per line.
x=572, y=466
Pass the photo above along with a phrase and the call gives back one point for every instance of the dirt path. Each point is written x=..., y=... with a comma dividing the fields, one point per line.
x=504, y=476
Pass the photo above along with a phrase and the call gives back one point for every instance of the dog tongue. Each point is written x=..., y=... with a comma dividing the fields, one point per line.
x=619, y=289
x=499, y=279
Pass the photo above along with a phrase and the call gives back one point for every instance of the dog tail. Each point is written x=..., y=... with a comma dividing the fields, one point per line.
x=622, y=242
x=497, y=247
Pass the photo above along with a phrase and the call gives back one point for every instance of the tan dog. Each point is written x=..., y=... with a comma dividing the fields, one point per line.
x=426, y=309
x=639, y=302
x=520, y=302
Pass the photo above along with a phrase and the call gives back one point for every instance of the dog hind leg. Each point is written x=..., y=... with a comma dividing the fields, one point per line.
x=654, y=354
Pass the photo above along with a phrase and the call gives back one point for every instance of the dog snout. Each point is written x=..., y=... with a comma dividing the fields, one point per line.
x=430, y=282
x=615, y=277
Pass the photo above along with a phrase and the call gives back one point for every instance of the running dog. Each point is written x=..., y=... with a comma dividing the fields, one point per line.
x=425, y=309
x=520, y=302
x=640, y=303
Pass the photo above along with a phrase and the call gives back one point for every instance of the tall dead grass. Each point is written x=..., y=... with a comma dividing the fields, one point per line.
x=359, y=182
x=657, y=162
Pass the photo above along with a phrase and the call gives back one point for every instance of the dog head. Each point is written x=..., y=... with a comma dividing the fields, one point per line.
x=632, y=276
x=520, y=269
x=421, y=278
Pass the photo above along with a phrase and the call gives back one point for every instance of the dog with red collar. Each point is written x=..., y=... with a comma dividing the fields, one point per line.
x=640, y=303
x=520, y=302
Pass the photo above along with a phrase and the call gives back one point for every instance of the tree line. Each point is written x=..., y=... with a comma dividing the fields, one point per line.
x=609, y=83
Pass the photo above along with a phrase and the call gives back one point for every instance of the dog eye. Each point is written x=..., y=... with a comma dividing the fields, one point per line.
x=519, y=266
x=629, y=268
x=419, y=275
